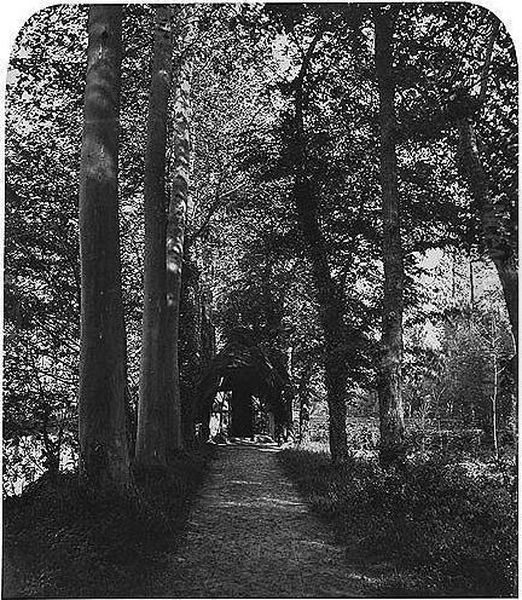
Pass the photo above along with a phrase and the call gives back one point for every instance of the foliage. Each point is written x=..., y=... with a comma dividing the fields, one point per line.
x=452, y=525
x=62, y=539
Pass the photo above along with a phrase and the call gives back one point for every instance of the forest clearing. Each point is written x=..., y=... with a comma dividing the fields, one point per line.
x=261, y=302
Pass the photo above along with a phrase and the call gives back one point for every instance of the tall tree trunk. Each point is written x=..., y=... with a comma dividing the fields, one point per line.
x=175, y=242
x=104, y=457
x=154, y=427
x=190, y=363
x=208, y=351
x=498, y=228
x=390, y=368
x=329, y=296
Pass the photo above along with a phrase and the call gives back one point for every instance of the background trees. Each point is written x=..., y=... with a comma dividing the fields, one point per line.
x=283, y=231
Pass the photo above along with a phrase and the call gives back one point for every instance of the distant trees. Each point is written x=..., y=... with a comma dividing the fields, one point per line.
x=104, y=457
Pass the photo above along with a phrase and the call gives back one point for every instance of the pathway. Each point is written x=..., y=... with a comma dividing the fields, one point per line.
x=250, y=535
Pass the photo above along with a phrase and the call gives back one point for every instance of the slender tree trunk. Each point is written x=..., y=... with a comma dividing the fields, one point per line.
x=154, y=427
x=494, y=395
x=175, y=243
x=390, y=373
x=191, y=332
x=304, y=405
x=329, y=296
x=208, y=351
x=471, y=285
x=497, y=228
x=500, y=248
x=104, y=457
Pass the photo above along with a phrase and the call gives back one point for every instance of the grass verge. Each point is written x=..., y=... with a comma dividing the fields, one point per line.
x=64, y=540
x=447, y=529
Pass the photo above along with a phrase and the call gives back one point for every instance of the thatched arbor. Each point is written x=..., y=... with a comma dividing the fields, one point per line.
x=244, y=369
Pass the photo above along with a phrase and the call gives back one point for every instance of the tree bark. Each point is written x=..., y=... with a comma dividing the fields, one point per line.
x=208, y=351
x=174, y=247
x=191, y=332
x=329, y=295
x=390, y=368
x=104, y=457
x=154, y=427
x=500, y=248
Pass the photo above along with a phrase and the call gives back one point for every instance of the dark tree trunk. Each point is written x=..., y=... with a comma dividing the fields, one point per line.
x=329, y=295
x=104, y=457
x=190, y=344
x=175, y=245
x=154, y=419
x=390, y=368
x=208, y=351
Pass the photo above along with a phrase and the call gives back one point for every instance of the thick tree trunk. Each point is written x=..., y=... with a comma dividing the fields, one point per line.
x=390, y=368
x=104, y=457
x=154, y=422
x=329, y=296
x=175, y=242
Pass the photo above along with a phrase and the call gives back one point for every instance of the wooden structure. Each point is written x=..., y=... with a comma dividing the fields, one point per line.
x=245, y=370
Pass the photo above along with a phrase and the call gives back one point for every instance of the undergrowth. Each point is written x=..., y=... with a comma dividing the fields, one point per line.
x=449, y=529
x=62, y=539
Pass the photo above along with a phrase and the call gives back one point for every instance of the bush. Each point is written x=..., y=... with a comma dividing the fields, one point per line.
x=64, y=539
x=451, y=527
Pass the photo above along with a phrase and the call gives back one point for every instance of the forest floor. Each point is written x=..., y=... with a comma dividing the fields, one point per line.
x=231, y=522
x=250, y=535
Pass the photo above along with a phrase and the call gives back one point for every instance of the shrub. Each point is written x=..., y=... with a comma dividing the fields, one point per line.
x=64, y=539
x=453, y=527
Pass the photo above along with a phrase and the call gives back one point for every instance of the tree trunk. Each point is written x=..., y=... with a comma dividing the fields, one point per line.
x=208, y=351
x=104, y=457
x=494, y=395
x=191, y=331
x=175, y=242
x=390, y=371
x=154, y=426
x=329, y=296
x=501, y=250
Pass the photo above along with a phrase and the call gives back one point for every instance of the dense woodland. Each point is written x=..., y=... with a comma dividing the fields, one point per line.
x=337, y=180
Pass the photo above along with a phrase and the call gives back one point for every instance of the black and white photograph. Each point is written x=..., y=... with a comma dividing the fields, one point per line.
x=260, y=277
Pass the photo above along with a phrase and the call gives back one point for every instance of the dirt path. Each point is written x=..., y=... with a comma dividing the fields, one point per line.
x=250, y=535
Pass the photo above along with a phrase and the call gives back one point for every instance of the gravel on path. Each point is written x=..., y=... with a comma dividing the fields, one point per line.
x=250, y=536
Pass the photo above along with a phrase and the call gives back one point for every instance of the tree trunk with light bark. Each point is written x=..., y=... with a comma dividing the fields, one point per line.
x=176, y=222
